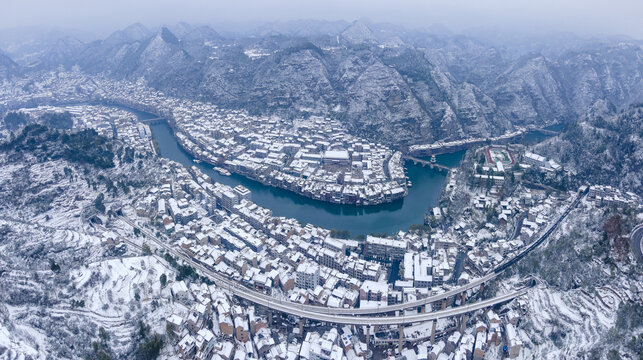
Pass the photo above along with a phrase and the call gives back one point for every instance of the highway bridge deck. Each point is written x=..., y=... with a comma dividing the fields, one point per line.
x=349, y=316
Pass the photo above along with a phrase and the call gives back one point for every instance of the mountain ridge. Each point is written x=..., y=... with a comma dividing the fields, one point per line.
x=388, y=84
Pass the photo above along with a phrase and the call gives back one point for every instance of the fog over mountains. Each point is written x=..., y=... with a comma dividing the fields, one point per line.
x=385, y=82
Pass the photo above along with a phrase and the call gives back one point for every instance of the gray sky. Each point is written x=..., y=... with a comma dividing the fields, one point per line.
x=584, y=17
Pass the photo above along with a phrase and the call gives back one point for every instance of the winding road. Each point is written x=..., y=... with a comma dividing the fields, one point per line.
x=636, y=238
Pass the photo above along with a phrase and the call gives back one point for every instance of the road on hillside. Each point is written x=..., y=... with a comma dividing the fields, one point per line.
x=636, y=239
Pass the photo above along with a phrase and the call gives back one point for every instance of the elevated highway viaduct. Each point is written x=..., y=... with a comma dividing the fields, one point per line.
x=350, y=316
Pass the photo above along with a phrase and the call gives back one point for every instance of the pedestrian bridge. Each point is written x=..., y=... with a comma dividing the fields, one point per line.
x=426, y=162
x=153, y=121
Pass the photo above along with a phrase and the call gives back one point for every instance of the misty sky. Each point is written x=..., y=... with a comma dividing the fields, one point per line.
x=584, y=17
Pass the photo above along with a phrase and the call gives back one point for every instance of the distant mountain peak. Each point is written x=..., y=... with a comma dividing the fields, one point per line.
x=203, y=32
x=180, y=29
x=357, y=33
x=132, y=33
x=168, y=36
x=137, y=30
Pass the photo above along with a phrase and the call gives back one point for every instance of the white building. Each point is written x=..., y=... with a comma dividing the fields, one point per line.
x=242, y=192
x=534, y=159
x=336, y=157
x=385, y=248
x=307, y=275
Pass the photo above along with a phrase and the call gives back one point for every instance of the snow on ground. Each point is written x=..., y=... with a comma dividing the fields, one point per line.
x=53, y=199
x=20, y=342
x=156, y=318
x=574, y=317
x=6, y=174
x=60, y=217
x=119, y=280
x=45, y=172
x=80, y=240
x=34, y=235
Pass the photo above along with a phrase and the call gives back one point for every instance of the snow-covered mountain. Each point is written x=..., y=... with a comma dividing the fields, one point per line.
x=388, y=83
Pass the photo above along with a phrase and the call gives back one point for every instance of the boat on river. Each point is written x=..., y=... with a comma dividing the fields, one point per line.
x=222, y=171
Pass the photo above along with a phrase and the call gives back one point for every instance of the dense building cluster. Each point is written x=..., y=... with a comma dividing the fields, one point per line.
x=220, y=228
x=605, y=195
x=304, y=264
x=315, y=157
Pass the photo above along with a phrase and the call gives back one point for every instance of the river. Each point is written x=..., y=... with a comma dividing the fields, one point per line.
x=384, y=218
x=359, y=220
